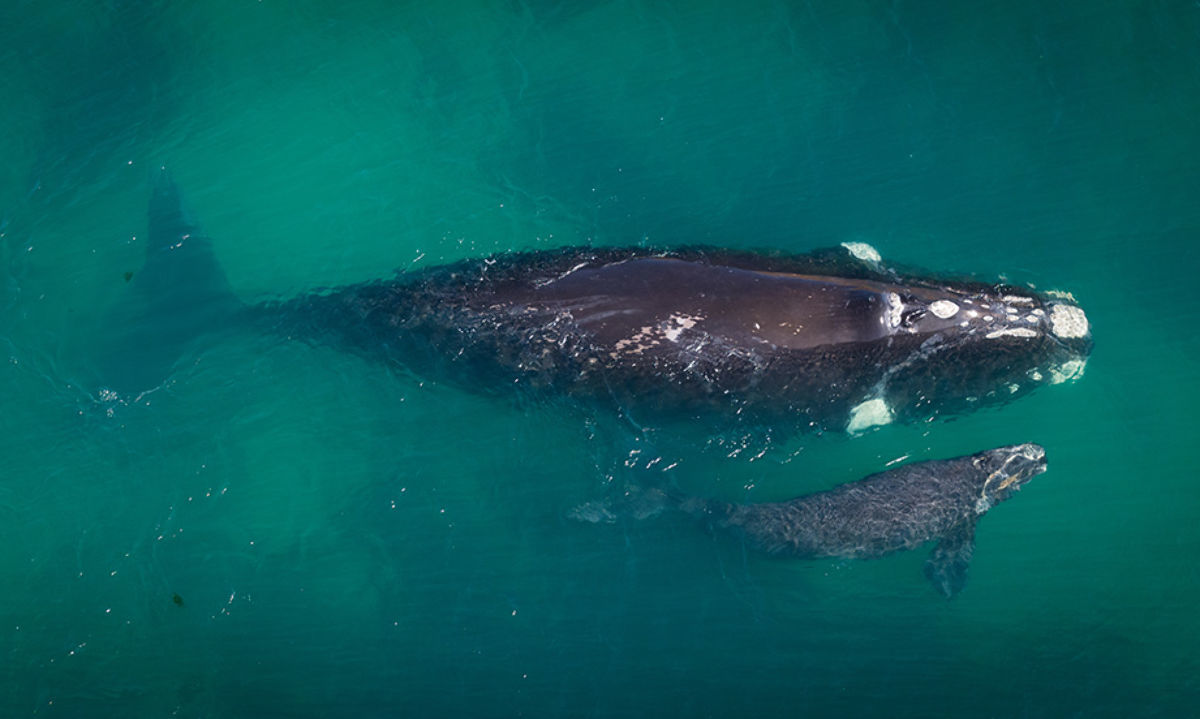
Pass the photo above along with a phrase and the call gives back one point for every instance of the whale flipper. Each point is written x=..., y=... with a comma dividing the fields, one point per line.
x=947, y=564
x=179, y=294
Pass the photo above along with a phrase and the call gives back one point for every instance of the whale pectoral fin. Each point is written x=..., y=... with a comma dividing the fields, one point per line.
x=947, y=564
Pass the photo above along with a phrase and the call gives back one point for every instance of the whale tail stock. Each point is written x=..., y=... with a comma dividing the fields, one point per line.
x=180, y=294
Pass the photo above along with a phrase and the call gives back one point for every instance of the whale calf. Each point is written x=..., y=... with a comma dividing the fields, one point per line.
x=892, y=511
x=830, y=340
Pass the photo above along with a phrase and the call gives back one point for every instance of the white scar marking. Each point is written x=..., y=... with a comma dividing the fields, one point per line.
x=1017, y=332
x=871, y=413
x=1068, y=321
x=944, y=309
x=682, y=322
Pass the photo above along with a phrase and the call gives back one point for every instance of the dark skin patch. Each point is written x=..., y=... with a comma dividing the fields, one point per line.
x=618, y=301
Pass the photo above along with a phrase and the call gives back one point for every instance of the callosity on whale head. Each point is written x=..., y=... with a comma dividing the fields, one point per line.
x=994, y=314
x=1004, y=470
x=977, y=344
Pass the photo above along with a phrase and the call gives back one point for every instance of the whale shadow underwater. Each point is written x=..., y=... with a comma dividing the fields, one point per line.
x=831, y=340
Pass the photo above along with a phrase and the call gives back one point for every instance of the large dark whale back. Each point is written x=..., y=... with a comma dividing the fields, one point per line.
x=820, y=341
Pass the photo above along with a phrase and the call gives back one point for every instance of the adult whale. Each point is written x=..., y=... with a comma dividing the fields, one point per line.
x=892, y=511
x=828, y=340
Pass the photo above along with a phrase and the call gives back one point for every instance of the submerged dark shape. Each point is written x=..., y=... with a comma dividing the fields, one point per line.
x=179, y=294
x=892, y=511
x=819, y=341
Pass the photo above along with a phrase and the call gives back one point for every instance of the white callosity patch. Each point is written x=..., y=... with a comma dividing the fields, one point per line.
x=871, y=413
x=895, y=310
x=1069, y=370
x=945, y=309
x=863, y=251
x=1013, y=332
x=1068, y=321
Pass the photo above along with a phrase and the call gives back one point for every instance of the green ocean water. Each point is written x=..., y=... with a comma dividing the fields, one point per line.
x=285, y=530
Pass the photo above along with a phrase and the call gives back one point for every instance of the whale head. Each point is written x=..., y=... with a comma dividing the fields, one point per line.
x=1000, y=313
x=1002, y=471
x=974, y=344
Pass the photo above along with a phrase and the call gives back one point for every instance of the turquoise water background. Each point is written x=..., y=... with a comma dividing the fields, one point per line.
x=285, y=530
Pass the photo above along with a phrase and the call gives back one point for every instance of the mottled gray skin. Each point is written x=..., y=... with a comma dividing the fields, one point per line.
x=896, y=510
